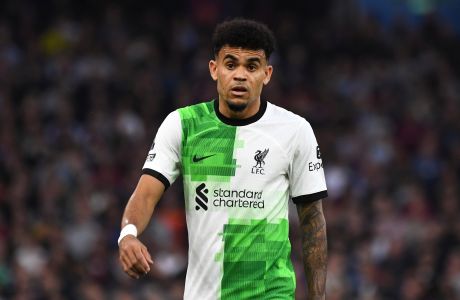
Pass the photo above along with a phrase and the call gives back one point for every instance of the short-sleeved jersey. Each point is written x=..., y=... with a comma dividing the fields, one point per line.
x=238, y=177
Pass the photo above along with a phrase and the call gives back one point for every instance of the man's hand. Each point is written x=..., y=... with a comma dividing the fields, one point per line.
x=134, y=257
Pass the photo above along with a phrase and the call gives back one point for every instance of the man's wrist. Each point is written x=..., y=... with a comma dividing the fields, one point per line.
x=129, y=229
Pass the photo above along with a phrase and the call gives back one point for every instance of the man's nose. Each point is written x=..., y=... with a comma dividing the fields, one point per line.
x=240, y=74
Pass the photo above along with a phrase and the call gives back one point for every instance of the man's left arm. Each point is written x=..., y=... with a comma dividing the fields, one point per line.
x=314, y=247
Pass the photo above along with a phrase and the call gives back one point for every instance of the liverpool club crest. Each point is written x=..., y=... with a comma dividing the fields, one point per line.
x=259, y=158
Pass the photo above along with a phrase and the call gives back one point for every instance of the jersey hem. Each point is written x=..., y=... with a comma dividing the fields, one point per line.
x=158, y=176
x=310, y=197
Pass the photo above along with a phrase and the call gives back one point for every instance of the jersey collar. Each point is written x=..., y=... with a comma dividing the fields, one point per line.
x=241, y=122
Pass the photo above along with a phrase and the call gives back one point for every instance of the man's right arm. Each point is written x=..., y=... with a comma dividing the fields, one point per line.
x=134, y=256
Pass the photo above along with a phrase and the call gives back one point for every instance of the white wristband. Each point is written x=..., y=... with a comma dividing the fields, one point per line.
x=129, y=229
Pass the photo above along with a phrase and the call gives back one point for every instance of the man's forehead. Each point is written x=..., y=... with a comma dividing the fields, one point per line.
x=241, y=53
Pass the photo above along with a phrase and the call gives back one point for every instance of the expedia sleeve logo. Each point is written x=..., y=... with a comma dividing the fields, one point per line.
x=317, y=165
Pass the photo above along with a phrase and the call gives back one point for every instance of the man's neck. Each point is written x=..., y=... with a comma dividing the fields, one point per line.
x=248, y=112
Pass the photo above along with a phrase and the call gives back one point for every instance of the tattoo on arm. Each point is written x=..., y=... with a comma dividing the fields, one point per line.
x=314, y=247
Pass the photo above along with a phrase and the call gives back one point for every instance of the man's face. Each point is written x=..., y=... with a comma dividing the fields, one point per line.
x=240, y=75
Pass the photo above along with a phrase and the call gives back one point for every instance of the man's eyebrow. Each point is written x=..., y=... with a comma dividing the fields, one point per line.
x=232, y=57
x=254, y=59
x=249, y=60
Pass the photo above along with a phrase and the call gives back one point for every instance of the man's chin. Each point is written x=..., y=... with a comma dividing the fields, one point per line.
x=237, y=106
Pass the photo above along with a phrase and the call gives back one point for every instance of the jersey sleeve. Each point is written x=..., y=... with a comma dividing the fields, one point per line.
x=307, y=182
x=163, y=158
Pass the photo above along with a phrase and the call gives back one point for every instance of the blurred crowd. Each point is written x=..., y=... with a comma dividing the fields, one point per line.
x=84, y=87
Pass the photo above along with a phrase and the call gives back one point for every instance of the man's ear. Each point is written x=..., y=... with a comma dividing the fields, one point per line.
x=268, y=74
x=213, y=69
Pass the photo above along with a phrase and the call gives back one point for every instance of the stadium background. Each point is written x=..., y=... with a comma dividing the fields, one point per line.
x=85, y=84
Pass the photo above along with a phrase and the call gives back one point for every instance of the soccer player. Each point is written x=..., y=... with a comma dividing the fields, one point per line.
x=242, y=159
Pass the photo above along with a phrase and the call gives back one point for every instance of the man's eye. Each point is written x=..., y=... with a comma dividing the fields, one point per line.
x=252, y=67
x=230, y=65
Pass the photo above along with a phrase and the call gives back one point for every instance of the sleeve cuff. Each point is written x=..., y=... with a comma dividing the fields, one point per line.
x=310, y=197
x=158, y=176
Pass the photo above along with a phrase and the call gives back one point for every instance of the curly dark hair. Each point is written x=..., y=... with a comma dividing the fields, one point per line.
x=247, y=34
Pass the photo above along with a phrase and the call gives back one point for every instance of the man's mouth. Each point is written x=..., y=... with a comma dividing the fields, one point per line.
x=239, y=90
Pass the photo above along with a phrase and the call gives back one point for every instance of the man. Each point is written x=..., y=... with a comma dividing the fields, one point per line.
x=241, y=158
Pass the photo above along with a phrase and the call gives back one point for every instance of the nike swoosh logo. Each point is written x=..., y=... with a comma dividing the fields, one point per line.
x=197, y=159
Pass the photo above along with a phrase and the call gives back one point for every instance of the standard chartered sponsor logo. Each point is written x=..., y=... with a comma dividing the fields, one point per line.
x=223, y=198
x=201, y=199
x=238, y=198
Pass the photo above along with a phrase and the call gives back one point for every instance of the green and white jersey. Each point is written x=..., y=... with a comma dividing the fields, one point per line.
x=238, y=177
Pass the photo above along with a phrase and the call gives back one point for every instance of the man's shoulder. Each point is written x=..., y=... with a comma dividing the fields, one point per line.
x=278, y=113
x=196, y=110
